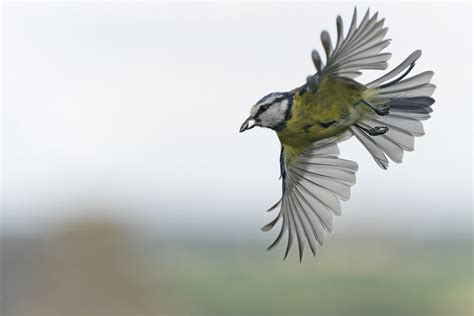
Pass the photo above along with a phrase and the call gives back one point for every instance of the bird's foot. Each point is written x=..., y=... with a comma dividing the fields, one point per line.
x=377, y=130
x=373, y=131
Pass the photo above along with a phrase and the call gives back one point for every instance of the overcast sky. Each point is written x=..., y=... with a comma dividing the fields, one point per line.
x=135, y=109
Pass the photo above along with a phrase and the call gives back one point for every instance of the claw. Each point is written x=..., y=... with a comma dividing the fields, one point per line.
x=377, y=130
x=373, y=131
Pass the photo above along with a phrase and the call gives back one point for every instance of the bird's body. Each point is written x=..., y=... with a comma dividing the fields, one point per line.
x=384, y=115
x=328, y=112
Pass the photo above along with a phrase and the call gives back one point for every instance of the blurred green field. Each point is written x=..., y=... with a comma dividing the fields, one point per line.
x=357, y=277
x=102, y=269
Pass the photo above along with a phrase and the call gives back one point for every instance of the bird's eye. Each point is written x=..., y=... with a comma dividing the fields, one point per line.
x=265, y=107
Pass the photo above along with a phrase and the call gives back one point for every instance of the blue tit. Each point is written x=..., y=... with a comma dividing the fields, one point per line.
x=384, y=115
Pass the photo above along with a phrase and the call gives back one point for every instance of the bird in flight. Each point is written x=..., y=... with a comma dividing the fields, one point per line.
x=384, y=115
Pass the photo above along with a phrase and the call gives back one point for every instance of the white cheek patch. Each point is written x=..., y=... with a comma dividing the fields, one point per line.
x=275, y=115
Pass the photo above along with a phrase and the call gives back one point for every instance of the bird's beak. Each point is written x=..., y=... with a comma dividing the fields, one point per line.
x=248, y=124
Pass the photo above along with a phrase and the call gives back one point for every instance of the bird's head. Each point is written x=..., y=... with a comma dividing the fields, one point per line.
x=271, y=111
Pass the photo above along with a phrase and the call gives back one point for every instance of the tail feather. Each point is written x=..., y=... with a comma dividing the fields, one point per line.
x=405, y=140
x=411, y=106
x=404, y=124
x=397, y=70
x=410, y=83
x=409, y=101
x=422, y=90
x=414, y=115
x=371, y=145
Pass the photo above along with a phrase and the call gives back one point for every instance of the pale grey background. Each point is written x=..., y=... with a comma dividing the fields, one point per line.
x=132, y=111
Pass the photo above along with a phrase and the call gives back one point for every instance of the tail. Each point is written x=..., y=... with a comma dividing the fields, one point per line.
x=409, y=102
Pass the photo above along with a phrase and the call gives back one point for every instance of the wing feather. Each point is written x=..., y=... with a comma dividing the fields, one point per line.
x=308, y=225
x=291, y=225
x=320, y=211
x=299, y=228
x=313, y=218
x=314, y=183
x=360, y=49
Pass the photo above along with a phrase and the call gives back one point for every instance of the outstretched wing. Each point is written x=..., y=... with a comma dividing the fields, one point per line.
x=313, y=185
x=360, y=49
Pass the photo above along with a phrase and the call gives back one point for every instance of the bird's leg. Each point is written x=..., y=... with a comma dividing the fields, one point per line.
x=373, y=131
x=379, y=109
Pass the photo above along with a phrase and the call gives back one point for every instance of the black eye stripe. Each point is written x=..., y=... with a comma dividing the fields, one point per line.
x=264, y=107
